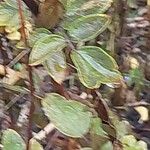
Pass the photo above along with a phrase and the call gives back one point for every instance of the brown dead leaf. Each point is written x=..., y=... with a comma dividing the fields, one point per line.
x=13, y=76
x=2, y=29
x=119, y=96
x=102, y=110
x=2, y=70
x=117, y=145
x=134, y=63
x=73, y=145
x=143, y=111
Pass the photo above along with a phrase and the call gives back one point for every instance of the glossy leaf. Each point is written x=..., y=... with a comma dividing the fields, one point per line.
x=69, y=117
x=56, y=66
x=46, y=47
x=88, y=27
x=11, y=139
x=35, y=145
x=95, y=66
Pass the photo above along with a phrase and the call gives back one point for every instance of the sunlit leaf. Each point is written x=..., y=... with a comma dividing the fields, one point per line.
x=148, y=2
x=69, y=117
x=56, y=66
x=88, y=27
x=13, y=76
x=14, y=35
x=12, y=140
x=35, y=145
x=95, y=66
x=143, y=111
x=46, y=47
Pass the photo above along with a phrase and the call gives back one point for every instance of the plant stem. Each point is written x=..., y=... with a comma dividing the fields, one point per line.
x=31, y=86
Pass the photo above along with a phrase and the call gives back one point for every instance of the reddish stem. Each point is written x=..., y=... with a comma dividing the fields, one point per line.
x=31, y=86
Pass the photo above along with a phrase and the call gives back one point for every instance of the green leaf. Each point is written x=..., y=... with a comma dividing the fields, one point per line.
x=6, y=13
x=88, y=27
x=142, y=145
x=69, y=117
x=132, y=4
x=35, y=145
x=37, y=34
x=107, y=146
x=137, y=77
x=13, y=4
x=129, y=140
x=46, y=47
x=85, y=7
x=121, y=128
x=96, y=127
x=130, y=143
x=10, y=16
x=95, y=66
x=11, y=139
x=56, y=66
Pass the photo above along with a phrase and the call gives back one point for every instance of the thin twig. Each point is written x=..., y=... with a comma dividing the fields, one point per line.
x=31, y=86
x=13, y=101
x=136, y=104
x=18, y=57
x=43, y=133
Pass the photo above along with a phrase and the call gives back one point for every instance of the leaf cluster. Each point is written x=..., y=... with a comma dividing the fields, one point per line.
x=83, y=21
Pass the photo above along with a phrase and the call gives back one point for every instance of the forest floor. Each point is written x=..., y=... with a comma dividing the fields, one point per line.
x=131, y=101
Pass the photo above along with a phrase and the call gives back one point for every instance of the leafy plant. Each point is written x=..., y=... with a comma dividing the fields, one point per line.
x=11, y=139
x=69, y=117
x=56, y=51
x=130, y=143
x=10, y=18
